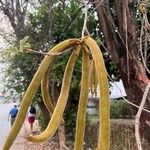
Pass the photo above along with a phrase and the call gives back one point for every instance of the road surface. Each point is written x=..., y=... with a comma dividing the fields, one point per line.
x=4, y=123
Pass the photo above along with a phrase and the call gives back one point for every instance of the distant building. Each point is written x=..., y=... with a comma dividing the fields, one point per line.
x=116, y=89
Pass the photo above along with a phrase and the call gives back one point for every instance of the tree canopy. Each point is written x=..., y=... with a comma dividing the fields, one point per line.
x=121, y=27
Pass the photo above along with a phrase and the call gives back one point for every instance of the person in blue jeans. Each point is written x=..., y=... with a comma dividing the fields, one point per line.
x=12, y=115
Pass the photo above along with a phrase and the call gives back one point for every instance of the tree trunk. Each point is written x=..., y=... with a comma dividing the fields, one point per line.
x=123, y=48
x=62, y=137
x=44, y=110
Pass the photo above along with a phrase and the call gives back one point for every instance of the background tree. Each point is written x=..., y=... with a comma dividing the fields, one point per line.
x=16, y=13
x=120, y=22
x=50, y=23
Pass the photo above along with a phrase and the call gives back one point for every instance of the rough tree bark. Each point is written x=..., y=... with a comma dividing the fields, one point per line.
x=123, y=48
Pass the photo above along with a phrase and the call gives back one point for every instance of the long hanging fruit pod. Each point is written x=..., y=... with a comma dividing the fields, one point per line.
x=32, y=88
x=45, y=93
x=82, y=107
x=61, y=103
x=104, y=110
x=93, y=79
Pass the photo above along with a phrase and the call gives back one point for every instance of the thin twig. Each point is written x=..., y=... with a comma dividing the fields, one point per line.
x=126, y=42
x=145, y=27
x=138, y=115
x=142, y=57
x=85, y=19
x=95, y=7
x=148, y=111
x=27, y=50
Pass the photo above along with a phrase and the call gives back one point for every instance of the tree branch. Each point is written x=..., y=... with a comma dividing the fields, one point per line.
x=138, y=115
x=85, y=19
x=106, y=23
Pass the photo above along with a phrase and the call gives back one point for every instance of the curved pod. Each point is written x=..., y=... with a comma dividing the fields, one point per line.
x=61, y=103
x=32, y=88
x=45, y=93
x=104, y=129
x=82, y=106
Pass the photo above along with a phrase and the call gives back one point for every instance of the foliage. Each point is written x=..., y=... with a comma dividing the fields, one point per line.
x=16, y=48
x=111, y=67
x=120, y=109
x=70, y=116
x=20, y=72
x=66, y=23
x=24, y=44
x=42, y=32
x=41, y=120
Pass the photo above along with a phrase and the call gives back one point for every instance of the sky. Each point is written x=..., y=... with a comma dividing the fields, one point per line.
x=5, y=28
x=2, y=66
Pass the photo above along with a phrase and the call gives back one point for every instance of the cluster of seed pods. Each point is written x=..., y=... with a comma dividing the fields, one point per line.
x=89, y=50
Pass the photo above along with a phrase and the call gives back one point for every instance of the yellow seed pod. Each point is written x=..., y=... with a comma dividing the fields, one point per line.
x=61, y=103
x=45, y=93
x=82, y=107
x=93, y=78
x=32, y=88
x=104, y=106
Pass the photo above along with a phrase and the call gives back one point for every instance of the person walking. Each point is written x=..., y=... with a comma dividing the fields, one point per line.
x=12, y=115
x=31, y=116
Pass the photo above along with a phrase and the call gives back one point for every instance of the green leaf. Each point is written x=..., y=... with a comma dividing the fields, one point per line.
x=12, y=50
x=24, y=44
x=24, y=40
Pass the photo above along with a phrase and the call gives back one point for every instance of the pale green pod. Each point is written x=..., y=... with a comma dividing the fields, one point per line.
x=91, y=78
x=45, y=93
x=82, y=106
x=104, y=106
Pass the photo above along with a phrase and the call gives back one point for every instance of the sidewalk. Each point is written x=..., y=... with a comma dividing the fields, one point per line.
x=30, y=145
x=22, y=144
x=19, y=143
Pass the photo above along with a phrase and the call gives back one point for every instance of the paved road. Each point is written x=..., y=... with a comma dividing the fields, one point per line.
x=4, y=124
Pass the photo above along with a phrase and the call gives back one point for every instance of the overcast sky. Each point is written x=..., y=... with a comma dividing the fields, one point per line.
x=5, y=28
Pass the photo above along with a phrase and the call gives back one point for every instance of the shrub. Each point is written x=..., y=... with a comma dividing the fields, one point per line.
x=120, y=109
x=42, y=121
